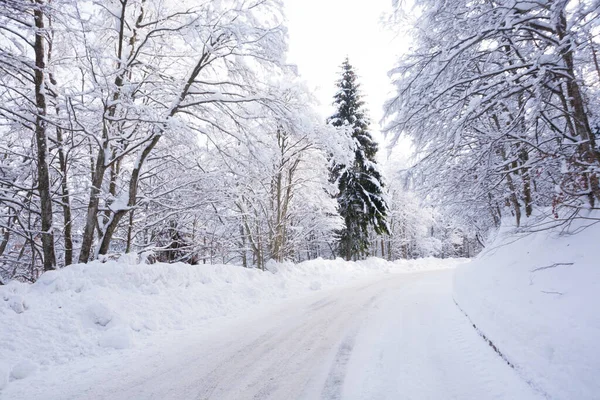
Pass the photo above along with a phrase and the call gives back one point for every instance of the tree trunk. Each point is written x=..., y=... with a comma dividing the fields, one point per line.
x=5, y=236
x=514, y=200
x=113, y=222
x=42, y=141
x=101, y=161
x=153, y=140
x=587, y=148
x=526, y=184
x=65, y=199
x=93, y=204
x=129, y=232
x=595, y=57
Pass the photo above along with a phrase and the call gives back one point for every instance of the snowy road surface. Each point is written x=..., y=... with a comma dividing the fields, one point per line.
x=396, y=337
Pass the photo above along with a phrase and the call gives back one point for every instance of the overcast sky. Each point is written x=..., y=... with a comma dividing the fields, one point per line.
x=323, y=32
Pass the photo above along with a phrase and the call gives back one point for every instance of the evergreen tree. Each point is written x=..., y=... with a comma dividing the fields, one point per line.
x=360, y=186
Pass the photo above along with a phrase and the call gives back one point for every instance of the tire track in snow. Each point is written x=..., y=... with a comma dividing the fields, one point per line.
x=337, y=374
x=278, y=364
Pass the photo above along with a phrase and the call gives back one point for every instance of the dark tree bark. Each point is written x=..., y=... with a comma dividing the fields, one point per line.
x=101, y=166
x=41, y=140
x=587, y=148
x=65, y=199
x=5, y=236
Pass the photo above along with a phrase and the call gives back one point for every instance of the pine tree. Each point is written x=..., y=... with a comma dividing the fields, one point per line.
x=360, y=195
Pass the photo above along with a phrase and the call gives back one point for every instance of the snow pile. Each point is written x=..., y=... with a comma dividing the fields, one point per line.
x=88, y=309
x=536, y=299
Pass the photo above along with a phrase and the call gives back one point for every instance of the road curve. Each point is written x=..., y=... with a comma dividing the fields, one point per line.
x=397, y=337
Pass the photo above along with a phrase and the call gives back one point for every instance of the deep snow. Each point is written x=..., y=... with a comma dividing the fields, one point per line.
x=536, y=297
x=85, y=311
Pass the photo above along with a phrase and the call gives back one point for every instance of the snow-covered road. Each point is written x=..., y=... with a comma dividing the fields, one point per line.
x=397, y=337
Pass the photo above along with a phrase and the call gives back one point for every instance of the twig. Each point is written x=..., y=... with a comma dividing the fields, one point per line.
x=550, y=266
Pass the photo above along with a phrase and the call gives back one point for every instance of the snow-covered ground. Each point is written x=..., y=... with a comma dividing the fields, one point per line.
x=536, y=299
x=316, y=330
x=88, y=311
x=383, y=336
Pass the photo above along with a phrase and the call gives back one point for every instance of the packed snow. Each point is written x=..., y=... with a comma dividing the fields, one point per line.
x=88, y=310
x=381, y=336
x=535, y=297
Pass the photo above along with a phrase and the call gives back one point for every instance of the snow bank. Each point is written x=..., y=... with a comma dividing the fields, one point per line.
x=536, y=299
x=86, y=310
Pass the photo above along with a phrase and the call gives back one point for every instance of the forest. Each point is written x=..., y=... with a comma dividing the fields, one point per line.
x=178, y=131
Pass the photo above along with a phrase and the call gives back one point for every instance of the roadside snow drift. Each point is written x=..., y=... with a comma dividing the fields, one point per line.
x=89, y=309
x=536, y=299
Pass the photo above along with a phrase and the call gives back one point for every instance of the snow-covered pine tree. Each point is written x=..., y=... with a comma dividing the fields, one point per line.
x=360, y=196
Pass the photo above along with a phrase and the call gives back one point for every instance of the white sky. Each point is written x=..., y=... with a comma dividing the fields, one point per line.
x=323, y=32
